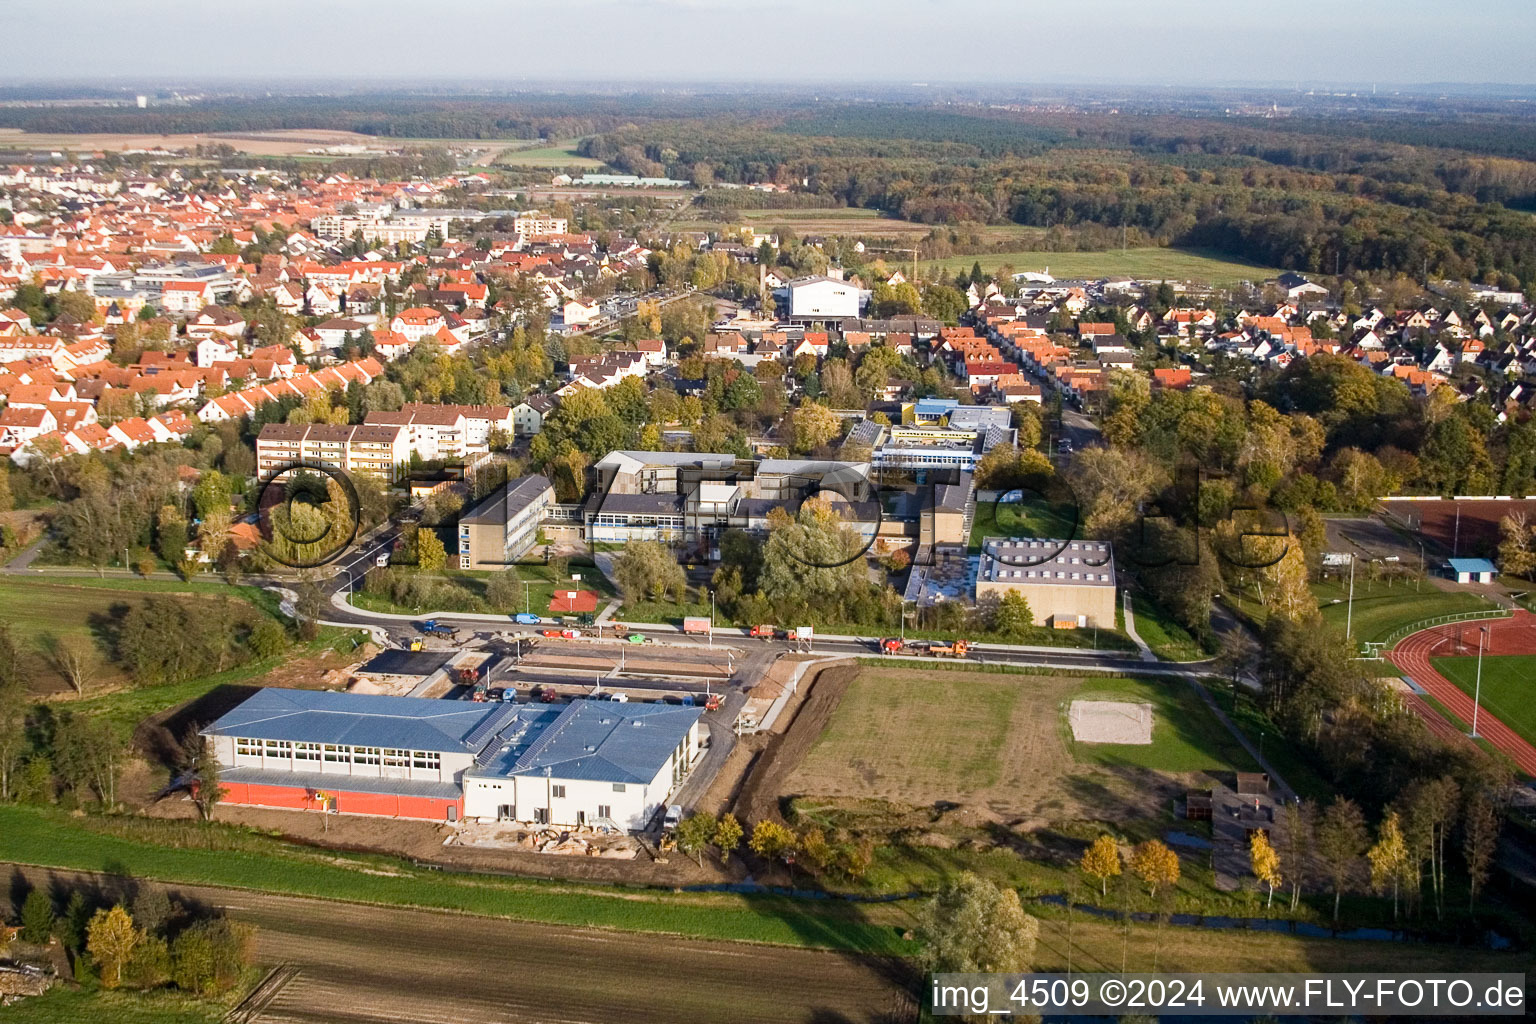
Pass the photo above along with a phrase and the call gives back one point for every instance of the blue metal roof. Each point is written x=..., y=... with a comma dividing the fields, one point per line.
x=596, y=741
x=361, y=720
x=935, y=406
x=1472, y=565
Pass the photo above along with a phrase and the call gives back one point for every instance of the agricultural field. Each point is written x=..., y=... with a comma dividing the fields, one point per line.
x=859, y=222
x=1194, y=265
x=1509, y=682
x=555, y=155
x=999, y=746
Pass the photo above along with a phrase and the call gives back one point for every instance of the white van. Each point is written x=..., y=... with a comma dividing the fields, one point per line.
x=674, y=816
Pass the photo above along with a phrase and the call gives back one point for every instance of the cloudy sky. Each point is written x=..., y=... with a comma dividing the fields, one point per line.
x=1175, y=42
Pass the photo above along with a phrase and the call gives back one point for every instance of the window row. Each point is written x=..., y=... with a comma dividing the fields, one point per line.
x=335, y=753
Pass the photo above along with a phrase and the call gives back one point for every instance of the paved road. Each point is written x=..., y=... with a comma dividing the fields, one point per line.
x=361, y=964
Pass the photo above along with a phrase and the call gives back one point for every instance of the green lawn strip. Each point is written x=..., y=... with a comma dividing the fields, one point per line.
x=665, y=612
x=1171, y=264
x=1186, y=737
x=1507, y=685
x=149, y=849
x=1380, y=609
x=541, y=579
x=1168, y=640
x=64, y=1004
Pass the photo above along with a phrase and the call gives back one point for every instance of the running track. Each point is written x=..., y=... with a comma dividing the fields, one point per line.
x=1516, y=635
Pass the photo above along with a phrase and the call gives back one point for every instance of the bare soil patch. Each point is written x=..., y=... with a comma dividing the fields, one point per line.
x=1111, y=721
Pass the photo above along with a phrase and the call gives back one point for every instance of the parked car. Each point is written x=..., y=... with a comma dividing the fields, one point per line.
x=509, y=694
x=381, y=559
x=526, y=618
x=674, y=816
x=553, y=634
x=686, y=700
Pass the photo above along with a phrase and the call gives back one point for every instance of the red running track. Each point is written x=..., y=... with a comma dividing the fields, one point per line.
x=1515, y=635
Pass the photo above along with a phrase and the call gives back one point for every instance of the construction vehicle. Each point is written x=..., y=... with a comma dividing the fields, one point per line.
x=764, y=632
x=415, y=644
x=432, y=627
x=892, y=645
x=711, y=702
x=620, y=630
x=949, y=649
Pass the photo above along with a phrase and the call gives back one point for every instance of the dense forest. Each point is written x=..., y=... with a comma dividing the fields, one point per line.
x=1425, y=191
x=1273, y=192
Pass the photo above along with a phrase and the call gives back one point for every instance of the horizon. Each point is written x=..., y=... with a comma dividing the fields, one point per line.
x=1113, y=43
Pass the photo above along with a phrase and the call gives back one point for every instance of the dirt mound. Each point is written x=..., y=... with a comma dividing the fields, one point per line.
x=759, y=796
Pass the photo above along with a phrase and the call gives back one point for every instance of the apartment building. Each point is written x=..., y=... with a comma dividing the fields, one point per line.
x=505, y=524
x=448, y=431
x=381, y=449
x=532, y=223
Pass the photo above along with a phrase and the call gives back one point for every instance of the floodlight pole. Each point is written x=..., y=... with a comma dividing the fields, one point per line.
x=1349, y=612
x=1477, y=690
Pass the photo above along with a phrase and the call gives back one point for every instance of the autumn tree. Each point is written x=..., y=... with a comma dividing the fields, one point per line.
x=1480, y=839
x=811, y=426
x=1388, y=858
x=770, y=840
x=1341, y=839
x=1265, y=862
x=727, y=836
x=1102, y=861
x=430, y=554
x=1517, y=545
x=1155, y=864
x=695, y=833
x=110, y=938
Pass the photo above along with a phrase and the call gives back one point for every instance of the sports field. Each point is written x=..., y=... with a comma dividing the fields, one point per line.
x=1000, y=743
x=1508, y=690
x=1205, y=266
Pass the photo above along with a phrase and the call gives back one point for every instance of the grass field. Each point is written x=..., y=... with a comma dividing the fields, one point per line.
x=1508, y=689
x=1199, y=265
x=1380, y=609
x=185, y=852
x=82, y=608
x=1186, y=737
x=856, y=221
x=1023, y=519
x=70, y=1005
x=1000, y=743
x=558, y=154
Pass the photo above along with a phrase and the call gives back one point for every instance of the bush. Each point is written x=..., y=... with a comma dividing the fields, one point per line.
x=209, y=956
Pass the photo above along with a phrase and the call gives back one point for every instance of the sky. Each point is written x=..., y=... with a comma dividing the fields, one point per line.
x=516, y=42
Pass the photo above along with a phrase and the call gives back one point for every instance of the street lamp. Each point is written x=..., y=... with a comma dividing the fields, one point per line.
x=527, y=608
x=711, y=620
x=1477, y=690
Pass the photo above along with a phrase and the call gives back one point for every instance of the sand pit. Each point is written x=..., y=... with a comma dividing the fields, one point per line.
x=1111, y=721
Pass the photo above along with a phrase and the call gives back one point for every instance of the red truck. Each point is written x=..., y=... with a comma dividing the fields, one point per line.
x=763, y=632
